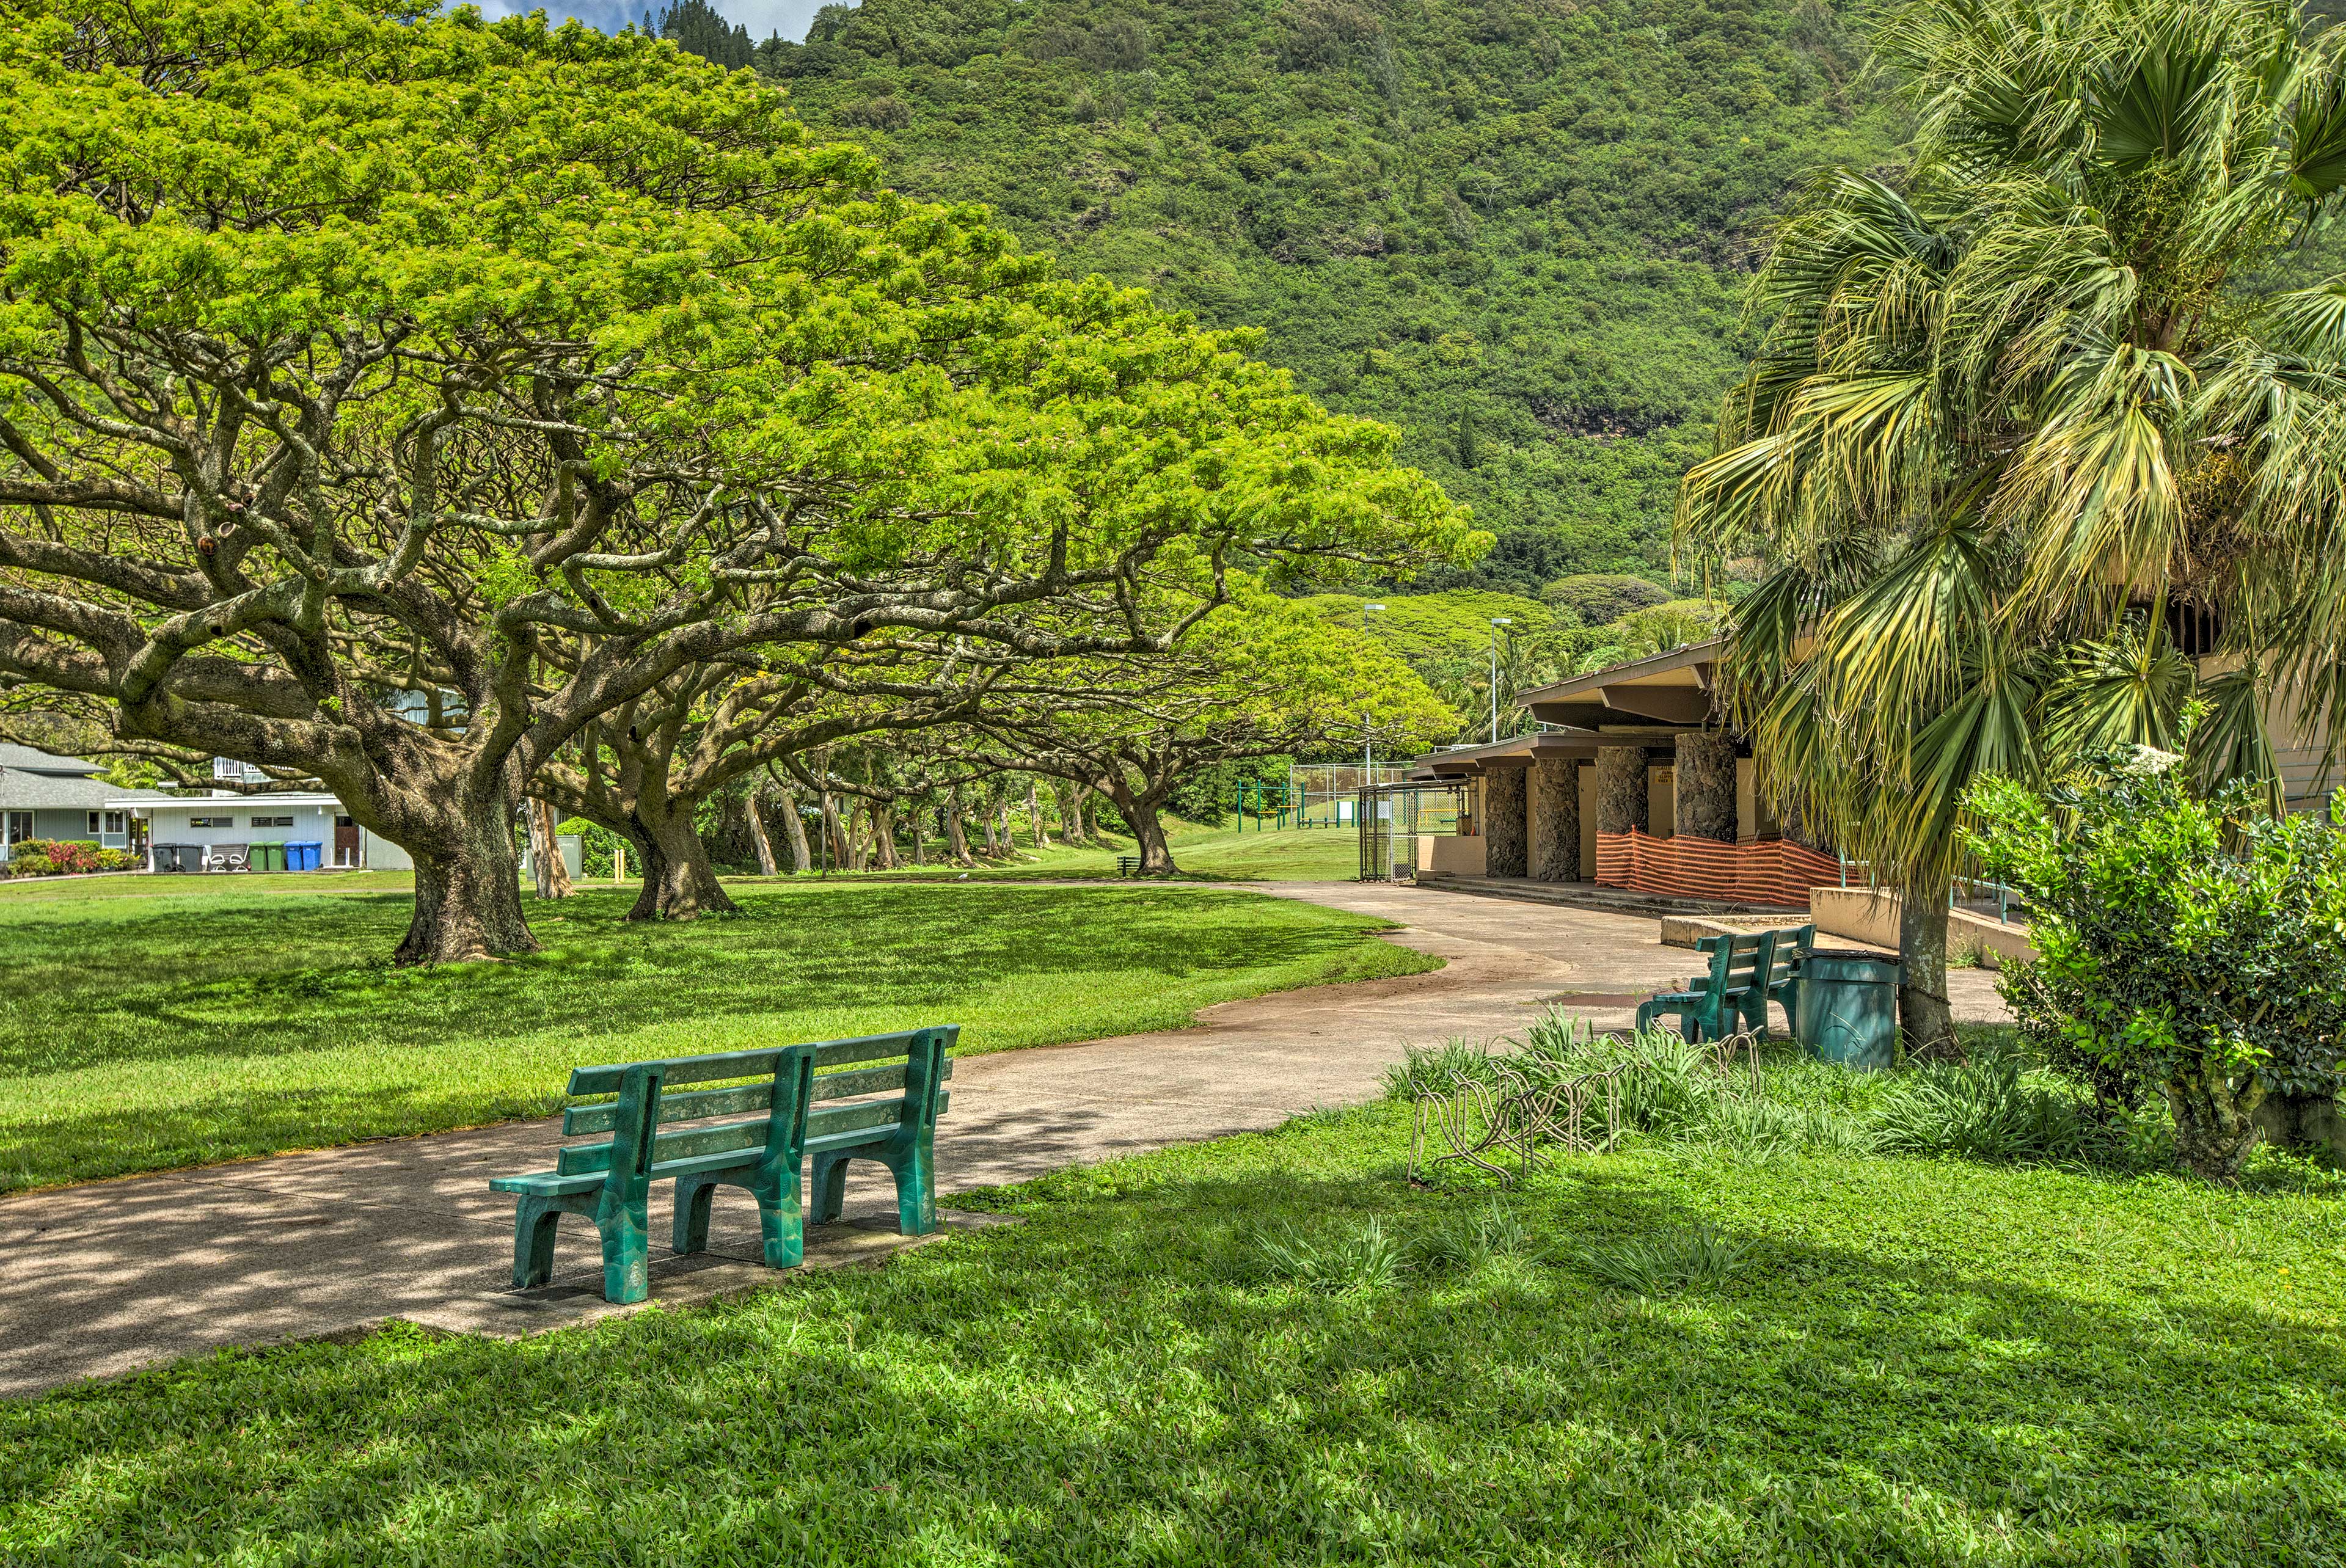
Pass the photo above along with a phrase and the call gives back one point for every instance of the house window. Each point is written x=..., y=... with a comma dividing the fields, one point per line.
x=212, y=822
x=20, y=826
x=114, y=822
x=272, y=822
x=346, y=823
x=93, y=821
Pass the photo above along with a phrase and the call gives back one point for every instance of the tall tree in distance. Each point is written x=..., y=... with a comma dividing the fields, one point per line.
x=697, y=28
x=2033, y=430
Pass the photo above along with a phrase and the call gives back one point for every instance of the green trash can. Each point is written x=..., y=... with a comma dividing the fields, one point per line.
x=1849, y=1007
x=265, y=858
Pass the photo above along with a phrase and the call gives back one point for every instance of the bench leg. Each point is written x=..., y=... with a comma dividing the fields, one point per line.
x=689, y=1233
x=534, y=1220
x=829, y=1188
x=915, y=1170
x=781, y=1220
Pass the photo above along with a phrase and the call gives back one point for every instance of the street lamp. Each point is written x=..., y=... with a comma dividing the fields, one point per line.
x=1496, y=622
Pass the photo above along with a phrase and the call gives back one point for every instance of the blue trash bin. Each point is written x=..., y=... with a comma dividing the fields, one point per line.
x=303, y=857
x=1849, y=1007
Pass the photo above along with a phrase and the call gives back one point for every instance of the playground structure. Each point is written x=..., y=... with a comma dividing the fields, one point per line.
x=1314, y=795
x=1388, y=810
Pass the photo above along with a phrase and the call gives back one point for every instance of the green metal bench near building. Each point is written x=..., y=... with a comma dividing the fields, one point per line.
x=1748, y=970
x=887, y=1114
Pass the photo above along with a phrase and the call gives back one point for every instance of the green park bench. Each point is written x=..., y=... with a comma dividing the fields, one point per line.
x=1783, y=987
x=1733, y=997
x=609, y=1181
x=1127, y=865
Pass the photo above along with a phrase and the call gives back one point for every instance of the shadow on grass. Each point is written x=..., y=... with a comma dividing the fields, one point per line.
x=1118, y=1380
x=291, y=976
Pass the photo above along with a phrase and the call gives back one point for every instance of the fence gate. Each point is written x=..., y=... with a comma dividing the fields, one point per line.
x=1373, y=809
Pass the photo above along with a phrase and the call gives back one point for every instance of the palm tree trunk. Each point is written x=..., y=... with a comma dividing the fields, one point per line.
x=1924, y=1016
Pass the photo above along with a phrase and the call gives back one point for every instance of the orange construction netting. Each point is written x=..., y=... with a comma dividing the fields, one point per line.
x=1765, y=871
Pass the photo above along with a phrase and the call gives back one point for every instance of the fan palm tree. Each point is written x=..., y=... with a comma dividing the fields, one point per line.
x=2029, y=408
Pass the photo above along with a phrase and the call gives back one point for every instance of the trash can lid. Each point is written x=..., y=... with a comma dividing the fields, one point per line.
x=1850, y=964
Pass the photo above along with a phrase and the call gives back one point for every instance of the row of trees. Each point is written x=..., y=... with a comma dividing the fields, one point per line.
x=454, y=412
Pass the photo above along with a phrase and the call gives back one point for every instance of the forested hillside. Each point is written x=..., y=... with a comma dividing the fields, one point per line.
x=1514, y=228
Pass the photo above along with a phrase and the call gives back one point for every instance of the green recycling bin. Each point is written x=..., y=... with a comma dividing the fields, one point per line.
x=265, y=858
x=1848, y=1010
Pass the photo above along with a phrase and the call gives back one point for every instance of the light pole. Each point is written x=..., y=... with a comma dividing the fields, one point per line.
x=1368, y=740
x=1496, y=622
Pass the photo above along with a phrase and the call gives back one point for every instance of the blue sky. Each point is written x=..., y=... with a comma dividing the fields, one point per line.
x=788, y=17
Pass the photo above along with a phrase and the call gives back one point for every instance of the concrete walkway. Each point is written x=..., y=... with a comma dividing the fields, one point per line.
x=113, y=1276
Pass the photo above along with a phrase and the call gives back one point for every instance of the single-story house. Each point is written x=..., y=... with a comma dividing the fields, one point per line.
x=188, y=832
x=45, y=796
x=1638, y=782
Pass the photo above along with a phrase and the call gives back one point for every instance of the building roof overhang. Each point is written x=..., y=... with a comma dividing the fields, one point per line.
x=1665, y=693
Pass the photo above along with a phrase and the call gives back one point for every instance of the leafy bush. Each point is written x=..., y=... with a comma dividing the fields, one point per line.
x=61, y=858
x=1668, y=1261
x=2190, y=943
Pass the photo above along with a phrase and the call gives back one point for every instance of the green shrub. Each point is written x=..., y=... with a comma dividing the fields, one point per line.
x=2190, y=943
x=25, y=862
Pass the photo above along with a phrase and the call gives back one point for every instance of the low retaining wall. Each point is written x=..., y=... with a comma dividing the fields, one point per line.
x=1450, y=854
x=1765, y=871
x=1871, y=915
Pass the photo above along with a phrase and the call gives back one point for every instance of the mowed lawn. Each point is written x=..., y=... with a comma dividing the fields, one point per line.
x=147, y=1023
x=1920, y=1361
x=1208, y=854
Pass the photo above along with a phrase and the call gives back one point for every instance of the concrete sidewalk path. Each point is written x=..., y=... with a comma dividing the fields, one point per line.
x=113, y=1276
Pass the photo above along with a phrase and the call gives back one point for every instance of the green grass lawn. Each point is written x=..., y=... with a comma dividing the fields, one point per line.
x=1920, y=1361
x=1210, y=854
x=147, y=1023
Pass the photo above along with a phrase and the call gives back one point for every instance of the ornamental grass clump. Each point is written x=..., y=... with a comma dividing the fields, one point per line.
x=2193, y=946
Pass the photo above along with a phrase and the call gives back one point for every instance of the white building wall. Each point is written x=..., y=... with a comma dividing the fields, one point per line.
x=381, y=854
x=175, y=823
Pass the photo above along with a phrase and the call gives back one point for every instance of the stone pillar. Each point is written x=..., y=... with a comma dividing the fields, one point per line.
x=1555, y=820
x=1703, y=800
x=1504, y=827
x=1620, y=789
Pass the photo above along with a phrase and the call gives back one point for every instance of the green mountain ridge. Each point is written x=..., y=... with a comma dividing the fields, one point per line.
x=1514, y=228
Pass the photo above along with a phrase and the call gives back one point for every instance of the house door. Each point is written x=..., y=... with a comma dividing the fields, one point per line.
x=19, y=828
x=346, y=841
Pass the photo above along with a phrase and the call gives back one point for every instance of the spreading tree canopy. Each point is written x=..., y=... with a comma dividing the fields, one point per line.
x=387, y=396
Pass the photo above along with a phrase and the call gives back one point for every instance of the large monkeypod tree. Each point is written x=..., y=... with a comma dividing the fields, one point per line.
x=645, y=768
x=384, y=398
